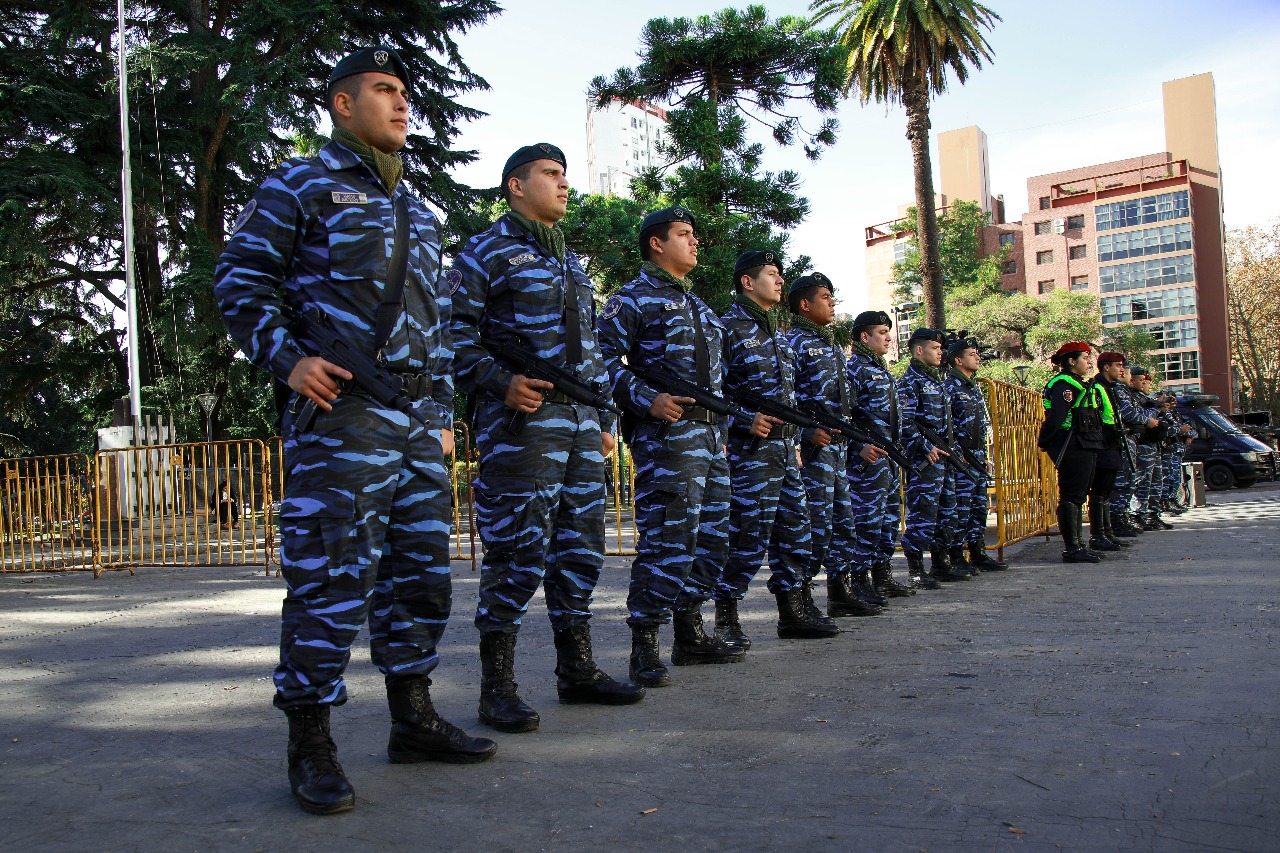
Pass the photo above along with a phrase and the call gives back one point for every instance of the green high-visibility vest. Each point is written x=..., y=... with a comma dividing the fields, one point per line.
x=1086, y=398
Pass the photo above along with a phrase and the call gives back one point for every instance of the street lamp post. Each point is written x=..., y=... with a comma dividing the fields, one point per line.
x=207, y=401
x=1021, y=371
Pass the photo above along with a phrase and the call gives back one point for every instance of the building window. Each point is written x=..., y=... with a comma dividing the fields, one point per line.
x=1141, y=211
x=1007, y=238
x=1079, y=282
x=1076, y=253
x=1044, y=257
x=1149, y=273
x=1045, y=286
x=1009, y=268
x=1045, y=227
x=1045, y=202
x=901, y=249
x=1178, y=301
x=634, y=123
x=1181, y=365
x=1076, y=221
x=1173, y=334
x=1148, y=241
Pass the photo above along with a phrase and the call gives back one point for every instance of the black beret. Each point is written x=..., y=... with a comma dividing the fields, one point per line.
x=872, y=318
x=529, y=153
x=667, y=214
x=959, y=345
x=380, y=59
x=804, y=286
x=1139, y=371
x=925, y=334
x=756, y=258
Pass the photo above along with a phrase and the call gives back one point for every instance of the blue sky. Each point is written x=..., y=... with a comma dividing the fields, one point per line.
x=1071, y=85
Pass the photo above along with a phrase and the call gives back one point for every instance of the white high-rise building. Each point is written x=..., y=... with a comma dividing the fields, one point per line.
x=622, y=139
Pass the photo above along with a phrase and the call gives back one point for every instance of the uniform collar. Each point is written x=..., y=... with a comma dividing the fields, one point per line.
x=338, y=157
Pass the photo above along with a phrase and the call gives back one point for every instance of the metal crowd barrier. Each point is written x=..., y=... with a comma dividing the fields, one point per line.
x=1026, y=483
x=46, y=514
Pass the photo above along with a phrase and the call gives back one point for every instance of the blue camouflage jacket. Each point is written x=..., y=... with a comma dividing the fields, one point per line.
x=756, y=361
x=821, y=380
x=650, y=320
x=318, y=236
x=506, y=287
x=922, y=396
x=874, y=393
x=969, y=416
x=1132, y=413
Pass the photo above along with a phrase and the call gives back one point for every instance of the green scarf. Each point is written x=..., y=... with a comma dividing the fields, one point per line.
x=932, y=372
x=549, y=237
x=862, y=349
x=960, y=374
x=665, y=275
x=386, y=166
x=823, y=332
x=763, y=317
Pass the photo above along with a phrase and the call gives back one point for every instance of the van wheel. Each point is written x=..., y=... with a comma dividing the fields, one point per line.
x=1219, y=478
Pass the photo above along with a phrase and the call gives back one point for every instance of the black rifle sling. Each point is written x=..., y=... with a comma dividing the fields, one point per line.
x=392, y=304
x=701, y=358
x=572, y=318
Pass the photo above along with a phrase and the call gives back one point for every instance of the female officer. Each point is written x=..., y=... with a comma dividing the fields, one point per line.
x=1072, y=436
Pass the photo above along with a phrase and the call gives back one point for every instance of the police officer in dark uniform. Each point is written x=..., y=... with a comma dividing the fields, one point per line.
x=1115, y=376
x=540, y=495
x=1072, y=436
x=365, y=514
x=682, y=475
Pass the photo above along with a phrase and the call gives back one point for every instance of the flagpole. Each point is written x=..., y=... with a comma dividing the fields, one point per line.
x=130, y=282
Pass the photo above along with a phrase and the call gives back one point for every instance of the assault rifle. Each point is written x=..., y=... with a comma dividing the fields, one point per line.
x=840, y=427
x=766, y=406
x=660, y=376
x=970, y=466
x=536, y=367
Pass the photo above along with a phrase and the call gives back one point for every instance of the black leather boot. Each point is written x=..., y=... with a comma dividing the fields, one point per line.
x=942, y=568
x=843, y=601
x=1068, y=525
x=916, y=573
x=882, y=574
x=315, y=775
x=501, y=707
x=795, y=624
x=579, y=680
x=728, y=629
x=809, y=606
x=959, y=563
x=1159, y=522
x=646, y=661
x=1147, y=521
x=1109, y=531
x=861, y=587
x=1122, y=525
x=693, y=645
x=1098, y=540
x=979, y=557
x=419, y=734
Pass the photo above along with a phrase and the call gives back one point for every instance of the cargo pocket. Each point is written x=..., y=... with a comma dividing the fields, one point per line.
x=511, y=513
x=320, y=532
x=662, y=506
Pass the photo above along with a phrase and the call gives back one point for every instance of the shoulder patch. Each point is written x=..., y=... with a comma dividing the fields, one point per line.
x=520, y=260
x=244, y=215
x=453, y=278
x=1068, y=395
x=612, y=307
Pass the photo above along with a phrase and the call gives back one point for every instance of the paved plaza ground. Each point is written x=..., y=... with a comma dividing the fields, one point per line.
x=1126, y=706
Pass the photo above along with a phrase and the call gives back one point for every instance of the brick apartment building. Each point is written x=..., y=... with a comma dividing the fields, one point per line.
x=1144, y=234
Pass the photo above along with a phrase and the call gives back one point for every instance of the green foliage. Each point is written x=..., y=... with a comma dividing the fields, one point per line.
x=967, y=275
x=1064, y=316
x=719, y=72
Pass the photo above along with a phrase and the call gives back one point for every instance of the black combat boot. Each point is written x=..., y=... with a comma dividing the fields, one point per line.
x=419, y=734
x=942, y=568
x=916, y=573
x=1160, y=523
x=795, y=624
x=728, y=629
x=886, y=585
x=843, y=601
x=1068, y=525
x=646, y=662
x=315, y=775
x=1147, y=521
x=861, y=587
x=979, y=558
x=1123, y=525
x=579, y=680
x=1109, y=531
x=501, y=707
x=959, y=563
x=1098, y=540
x=694, y=646
x=809, y=606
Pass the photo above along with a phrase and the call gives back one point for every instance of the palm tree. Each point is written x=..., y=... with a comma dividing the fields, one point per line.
x=899, y=52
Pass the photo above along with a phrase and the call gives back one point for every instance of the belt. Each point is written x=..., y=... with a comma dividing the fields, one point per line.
x=554, y=396
x=783, y=432
x=416, y=386
x=701, y=415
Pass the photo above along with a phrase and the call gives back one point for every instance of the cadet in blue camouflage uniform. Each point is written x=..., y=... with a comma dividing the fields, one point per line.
x=1136, y=421
x=366, y=509
x=682, y=475
x=972, y=423
x=767, y=512
x=1148, y=479
x=541, y=491
x=875, y=482
x=823, y=384
x=1171, y=461
x=931, y=488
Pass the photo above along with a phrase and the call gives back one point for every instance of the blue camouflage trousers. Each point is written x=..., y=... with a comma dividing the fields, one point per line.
x=1147, y=479
x=931, y=506
x=875, y=496
x=826, y=486
x=972, y=504
x=365, y=522
x=767, y=514
x=540, y=513
x=1122, y=493
x=1171, y=461
x=682, y=518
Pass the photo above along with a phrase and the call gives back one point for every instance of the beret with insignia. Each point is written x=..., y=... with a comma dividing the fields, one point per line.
x=926, y=334
x=957, y=348
x=804, y=287
x=1112, y=357
x=872, y=318
x=378, y=58
x=754, y=259
x=667, y=214
x=529, y=153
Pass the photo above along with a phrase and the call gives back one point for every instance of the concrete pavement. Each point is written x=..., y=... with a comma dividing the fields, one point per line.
x=1125, y=706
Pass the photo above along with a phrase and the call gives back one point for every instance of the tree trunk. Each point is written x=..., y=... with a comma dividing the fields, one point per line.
x=916, y=100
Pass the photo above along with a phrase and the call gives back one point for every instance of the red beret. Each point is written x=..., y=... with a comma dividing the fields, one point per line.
x=1112, y=358
x=1072, y=347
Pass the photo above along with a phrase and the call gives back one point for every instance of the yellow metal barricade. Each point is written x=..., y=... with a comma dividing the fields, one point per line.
x=620, y=508
x=462, y=476
x=46, y=514
x=1026, y=484
x=184, y=505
